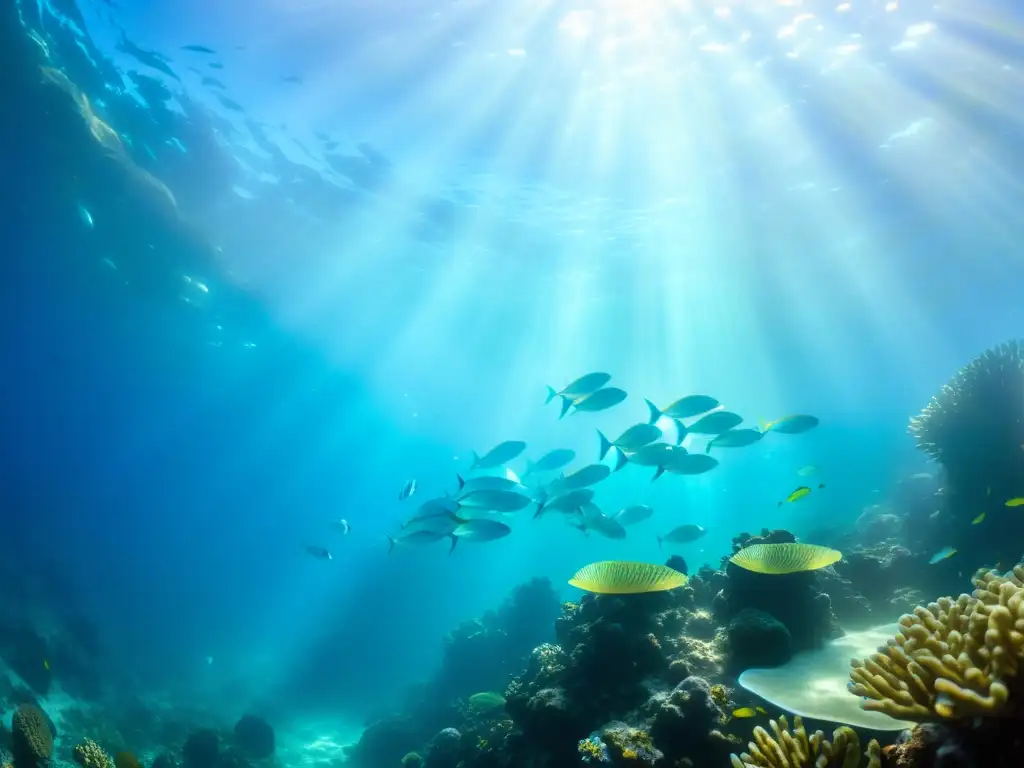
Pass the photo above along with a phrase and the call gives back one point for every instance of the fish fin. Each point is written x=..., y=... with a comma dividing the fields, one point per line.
x=707, y=448
x=476, y=460
x=658, y=473
x=566, y=405
x=552, y=394
x=540, y=508
x=455, y=540
x=458, y=520
x=391, y=542
x=462, y=483
x=655, y=412
x=605, y=445
x=681, y=431
x=621, y=459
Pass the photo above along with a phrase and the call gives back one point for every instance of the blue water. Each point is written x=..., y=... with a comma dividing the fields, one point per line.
x=814, y=215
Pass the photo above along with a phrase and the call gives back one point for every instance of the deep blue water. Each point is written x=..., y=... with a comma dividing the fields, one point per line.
x=824, y=222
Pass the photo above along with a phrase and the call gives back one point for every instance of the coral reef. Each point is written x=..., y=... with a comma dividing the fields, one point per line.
x=795, y=749
x=953, y=658
x=794, y=600
x=31, y=737
x=974, y=427
x=89, y=754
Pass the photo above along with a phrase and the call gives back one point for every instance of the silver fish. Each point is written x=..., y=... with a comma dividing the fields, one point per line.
x=655, y=454
x=481, y=530
x=498, y=501
x=684, y=534
x=734, y=438
x=419, y=538
x=581, y=478
x=487, y=483
x=632, y=439
x=407, y=490
x=498, y=455
x=551, y=461
x=581, y=387
x=683, y=408
x=690, y=464
x=634, y=514
x=601, y=400
x=598, y=522
x=715, y=423
x=566, y=502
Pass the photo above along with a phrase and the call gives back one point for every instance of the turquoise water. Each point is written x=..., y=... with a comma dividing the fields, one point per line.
x=255, y=289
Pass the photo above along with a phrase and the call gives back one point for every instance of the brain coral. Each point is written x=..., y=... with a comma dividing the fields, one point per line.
x=31, y=739
x=953, y=658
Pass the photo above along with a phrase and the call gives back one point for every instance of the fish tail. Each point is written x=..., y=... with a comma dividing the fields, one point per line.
x=552, y=394
x=605, y=445
x=566, y=405
x=621, y=459
x=655, y=412
x=765, y=425
x=658, y=473
x=391, y=542
x=540, y=508
x=455, y=540
x=476, y=459
x=681, y=431
x=462, y=483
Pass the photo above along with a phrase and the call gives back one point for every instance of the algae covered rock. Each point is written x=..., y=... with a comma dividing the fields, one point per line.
x=757, y=639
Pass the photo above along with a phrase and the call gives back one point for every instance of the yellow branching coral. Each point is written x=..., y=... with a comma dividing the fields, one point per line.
x=951, y=659
x=794, y=749
x=89, y=754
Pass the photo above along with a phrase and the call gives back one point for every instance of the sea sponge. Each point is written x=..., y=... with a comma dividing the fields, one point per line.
x=89, y=754
x=31, y=738
x=951, y=659
x=975, y=416
x=793, y=749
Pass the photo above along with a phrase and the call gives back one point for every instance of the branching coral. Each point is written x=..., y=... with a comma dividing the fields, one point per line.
x=89, y=754
x=953, y=658
x=794, y=749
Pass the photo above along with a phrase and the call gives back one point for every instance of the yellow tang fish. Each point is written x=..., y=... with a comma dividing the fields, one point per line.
x=748, y=712
x=1016, y=501
x=799, y=493
x=980, y=518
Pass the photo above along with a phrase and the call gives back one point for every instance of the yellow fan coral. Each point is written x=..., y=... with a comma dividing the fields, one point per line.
x=794, y=749
x=951, y=659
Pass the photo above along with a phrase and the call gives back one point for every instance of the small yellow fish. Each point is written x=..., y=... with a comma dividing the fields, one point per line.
x=799, y=493
x=1016, y=501
x=744, y=712
x=979, y=519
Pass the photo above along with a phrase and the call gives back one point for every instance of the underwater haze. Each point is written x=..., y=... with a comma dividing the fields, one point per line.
x=278, y=276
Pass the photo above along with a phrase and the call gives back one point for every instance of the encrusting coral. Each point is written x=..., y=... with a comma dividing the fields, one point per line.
x=31, y=739
x=953, y=658
x=794, y=749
